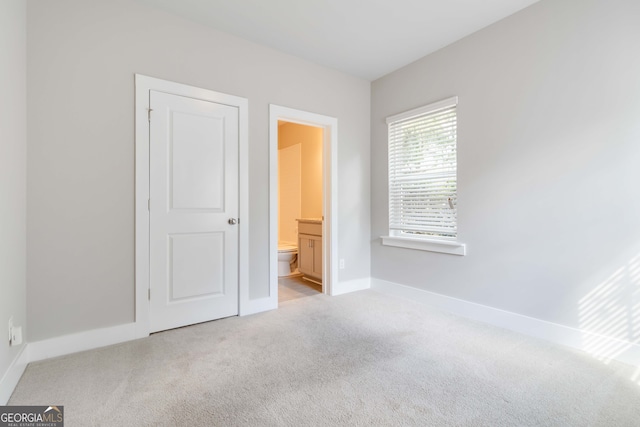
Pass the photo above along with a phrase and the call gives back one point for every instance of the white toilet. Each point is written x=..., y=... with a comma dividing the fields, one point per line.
x=287, y=259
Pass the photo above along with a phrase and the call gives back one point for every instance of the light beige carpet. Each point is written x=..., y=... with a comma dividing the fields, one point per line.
x=355, y=360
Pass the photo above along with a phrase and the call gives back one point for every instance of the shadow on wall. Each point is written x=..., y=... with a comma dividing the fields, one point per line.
x=612, y=309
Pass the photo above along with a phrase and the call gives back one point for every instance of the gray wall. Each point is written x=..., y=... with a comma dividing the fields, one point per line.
x=81, y=61
x=13, y=163
x=549, y=165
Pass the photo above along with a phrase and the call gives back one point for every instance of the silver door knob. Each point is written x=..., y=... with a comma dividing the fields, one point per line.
x=233, y=221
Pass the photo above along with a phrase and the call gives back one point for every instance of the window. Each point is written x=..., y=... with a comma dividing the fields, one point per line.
x=423, y=179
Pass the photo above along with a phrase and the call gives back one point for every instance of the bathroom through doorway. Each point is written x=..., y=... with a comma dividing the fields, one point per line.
x=300, y=210
x=301, y=203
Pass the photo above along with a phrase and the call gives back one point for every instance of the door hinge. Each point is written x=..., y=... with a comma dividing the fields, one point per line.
x=149, y=110
x=149, y=294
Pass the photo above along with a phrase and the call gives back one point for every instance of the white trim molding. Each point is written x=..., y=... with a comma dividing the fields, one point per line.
x=351, y=286
x=81, y=341
x=258, y=305
x=143, y=85
x=329, y=193
x=442, y=246
x=12, y=376
x=608, y=348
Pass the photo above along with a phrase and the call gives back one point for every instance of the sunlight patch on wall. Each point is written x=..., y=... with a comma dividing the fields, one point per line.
x=612, y=310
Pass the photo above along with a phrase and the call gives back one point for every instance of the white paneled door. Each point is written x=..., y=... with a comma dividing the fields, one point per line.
x=193, y=211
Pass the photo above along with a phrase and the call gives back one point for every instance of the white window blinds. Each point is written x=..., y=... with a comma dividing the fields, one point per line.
x=422, y=171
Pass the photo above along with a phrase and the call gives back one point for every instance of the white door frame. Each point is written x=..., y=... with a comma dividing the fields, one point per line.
x=143, y=85
x=329, y=192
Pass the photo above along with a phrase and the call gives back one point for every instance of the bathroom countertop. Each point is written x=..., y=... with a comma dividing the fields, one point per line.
x=311, y=220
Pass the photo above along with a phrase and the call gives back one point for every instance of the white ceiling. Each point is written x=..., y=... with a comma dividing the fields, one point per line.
x=364, y=38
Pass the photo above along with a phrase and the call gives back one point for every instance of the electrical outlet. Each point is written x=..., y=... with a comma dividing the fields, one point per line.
x=341, y=263
x=16, y=335
x=10, y=327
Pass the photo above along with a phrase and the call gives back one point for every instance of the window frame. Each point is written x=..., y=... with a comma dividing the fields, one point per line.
x=400, y=238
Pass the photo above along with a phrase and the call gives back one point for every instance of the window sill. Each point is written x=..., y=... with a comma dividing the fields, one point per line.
x=453, y=248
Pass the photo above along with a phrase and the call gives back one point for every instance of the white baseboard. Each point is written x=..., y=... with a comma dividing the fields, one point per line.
x=599, y=346
x=87, y=340
x=11, y=377
x=350, y=286
x=258, y=305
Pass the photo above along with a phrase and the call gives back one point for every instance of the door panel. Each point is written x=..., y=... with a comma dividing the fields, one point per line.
x=197, y=265
x=194, y=193
x=197, y=165
x=305, y=255
x=317, y=257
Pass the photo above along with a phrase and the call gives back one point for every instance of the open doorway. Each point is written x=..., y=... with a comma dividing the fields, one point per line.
x=300, y=210
x=302, y=202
